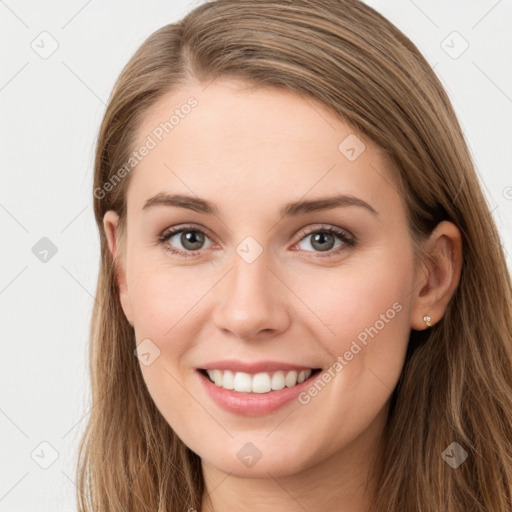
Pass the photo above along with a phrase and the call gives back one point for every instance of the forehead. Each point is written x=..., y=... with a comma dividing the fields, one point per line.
x=267, y=145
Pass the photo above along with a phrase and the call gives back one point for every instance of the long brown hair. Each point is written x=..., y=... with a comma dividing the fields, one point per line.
x=456, y=385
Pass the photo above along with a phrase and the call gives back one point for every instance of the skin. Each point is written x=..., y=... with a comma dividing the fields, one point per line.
x=250, y=151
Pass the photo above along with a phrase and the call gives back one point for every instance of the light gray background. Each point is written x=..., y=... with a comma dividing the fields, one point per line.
x=51, y=109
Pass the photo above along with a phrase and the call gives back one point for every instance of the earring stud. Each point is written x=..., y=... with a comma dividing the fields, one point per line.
x=427, y=319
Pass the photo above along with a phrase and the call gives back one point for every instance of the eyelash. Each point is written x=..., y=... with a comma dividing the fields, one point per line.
x=348, y=240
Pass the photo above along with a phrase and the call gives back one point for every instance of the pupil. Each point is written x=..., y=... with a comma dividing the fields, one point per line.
x=190, y=237
x=321, y=237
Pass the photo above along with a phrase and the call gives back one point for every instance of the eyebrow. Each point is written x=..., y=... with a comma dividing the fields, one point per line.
x=289, y=210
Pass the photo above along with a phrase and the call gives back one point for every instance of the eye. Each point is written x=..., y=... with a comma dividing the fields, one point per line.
x=324, y=239
x=190, y=237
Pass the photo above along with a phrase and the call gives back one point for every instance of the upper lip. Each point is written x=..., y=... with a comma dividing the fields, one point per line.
x=254, y=366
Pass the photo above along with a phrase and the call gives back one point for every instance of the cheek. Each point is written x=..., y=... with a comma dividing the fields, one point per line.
x=367, y=315
x=362, y=318
x=167, y=305
x=163, y=298
x=165, y=302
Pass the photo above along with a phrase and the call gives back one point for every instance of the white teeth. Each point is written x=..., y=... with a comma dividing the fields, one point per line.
x=242, y=382
x=262, y=382
x=290, y=379
x=217, y=377
x=278, y=381
x=228, y=380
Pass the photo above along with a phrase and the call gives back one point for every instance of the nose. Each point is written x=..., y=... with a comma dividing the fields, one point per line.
x=251, y=301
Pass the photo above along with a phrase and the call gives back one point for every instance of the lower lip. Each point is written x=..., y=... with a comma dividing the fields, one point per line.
x=253, y=404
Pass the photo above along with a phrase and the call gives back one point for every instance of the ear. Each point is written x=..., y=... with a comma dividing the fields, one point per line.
x=111, y=226
x=438, y=278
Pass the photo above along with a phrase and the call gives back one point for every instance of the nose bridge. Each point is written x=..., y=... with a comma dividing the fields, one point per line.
x=250, y=301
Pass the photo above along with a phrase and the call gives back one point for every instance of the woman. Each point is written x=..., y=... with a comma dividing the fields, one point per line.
x=303, y=302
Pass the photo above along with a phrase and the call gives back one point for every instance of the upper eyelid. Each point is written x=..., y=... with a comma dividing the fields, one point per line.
x=326, y=227
x=174, y=230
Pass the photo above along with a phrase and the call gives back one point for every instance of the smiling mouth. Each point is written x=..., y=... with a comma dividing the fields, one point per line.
x=262, y=382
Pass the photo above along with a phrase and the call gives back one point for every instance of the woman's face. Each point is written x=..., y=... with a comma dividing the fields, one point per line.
x=259, y=292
